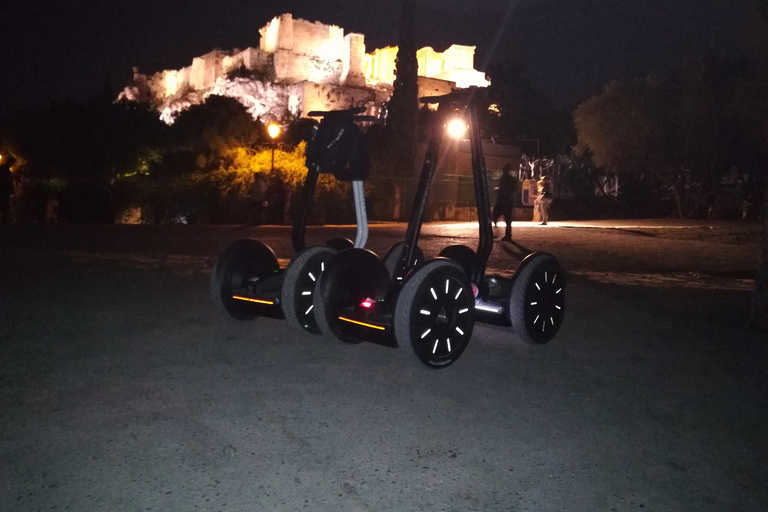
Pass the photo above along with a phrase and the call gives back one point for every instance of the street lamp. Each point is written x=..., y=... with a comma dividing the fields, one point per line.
x=273, y=130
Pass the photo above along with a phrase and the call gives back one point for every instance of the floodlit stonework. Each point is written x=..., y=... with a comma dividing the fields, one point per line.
x=298, y=67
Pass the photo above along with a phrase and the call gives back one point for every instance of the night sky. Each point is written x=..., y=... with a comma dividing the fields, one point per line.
x=569, y=48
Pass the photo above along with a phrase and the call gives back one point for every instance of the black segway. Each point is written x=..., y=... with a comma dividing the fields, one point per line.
x=247, y=281
x=429, y=307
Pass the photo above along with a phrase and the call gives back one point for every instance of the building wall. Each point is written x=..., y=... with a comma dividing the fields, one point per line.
x=380, y=65
x=456, y=64
x=305, y=50
x=353, y=72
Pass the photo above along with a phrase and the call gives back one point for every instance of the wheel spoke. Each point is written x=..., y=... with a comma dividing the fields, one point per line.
x=433, y=293
x=425, y=333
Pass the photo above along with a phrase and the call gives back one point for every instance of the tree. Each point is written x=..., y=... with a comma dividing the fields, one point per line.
x=403, y=107
x=518, y=112
x=203, y=132
x=681, y=129
x=74, y=151
x=393, y=148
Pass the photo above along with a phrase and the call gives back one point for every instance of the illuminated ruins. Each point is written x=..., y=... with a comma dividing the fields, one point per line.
x=301, y=66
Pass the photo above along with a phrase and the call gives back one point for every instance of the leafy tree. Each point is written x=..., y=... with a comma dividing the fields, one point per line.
x=680, y=130
x=403, y=108
x=393, y=147
x=74, y=151
x=202, y=132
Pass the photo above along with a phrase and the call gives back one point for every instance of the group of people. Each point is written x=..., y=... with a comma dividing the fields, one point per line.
x=268, y=202
x=505, y=200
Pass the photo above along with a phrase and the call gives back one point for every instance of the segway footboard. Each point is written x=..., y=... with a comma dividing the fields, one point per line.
x=352, y=298
x=246, y=281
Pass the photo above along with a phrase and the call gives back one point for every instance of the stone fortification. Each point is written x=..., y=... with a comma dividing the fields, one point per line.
x=300, y=66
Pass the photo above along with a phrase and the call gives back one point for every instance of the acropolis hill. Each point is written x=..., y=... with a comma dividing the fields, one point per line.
x=298, y=67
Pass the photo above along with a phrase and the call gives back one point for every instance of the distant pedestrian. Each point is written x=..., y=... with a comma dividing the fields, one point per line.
x=505, y=200
x=257, y=199
x=544, y=198
x=6, y=188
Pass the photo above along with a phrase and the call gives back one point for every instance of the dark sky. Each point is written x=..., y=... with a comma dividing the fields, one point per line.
x=68, y=49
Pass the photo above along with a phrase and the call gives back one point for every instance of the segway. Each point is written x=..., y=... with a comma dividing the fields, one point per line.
x=247, y=281
x=429, y=308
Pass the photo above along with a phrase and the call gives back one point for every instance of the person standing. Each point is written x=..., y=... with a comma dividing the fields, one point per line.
x=6, y=188
x=505, y=200
x=257, y=198
x=544, y=198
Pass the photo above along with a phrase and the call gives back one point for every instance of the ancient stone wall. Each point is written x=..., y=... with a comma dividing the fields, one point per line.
x=330, y=97
x=353, y=71
x=313, y=51
x=330, y=70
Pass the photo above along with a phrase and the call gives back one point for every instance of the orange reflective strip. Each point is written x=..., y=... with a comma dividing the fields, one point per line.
x=259, y=301
x=372, y=326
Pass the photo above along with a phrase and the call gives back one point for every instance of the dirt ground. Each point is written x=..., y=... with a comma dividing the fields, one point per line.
x=121, y=388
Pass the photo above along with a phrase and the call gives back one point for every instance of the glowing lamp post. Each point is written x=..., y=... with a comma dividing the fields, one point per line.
x=274, y=131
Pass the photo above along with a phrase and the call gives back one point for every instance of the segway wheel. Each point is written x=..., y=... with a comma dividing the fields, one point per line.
x=463, y=255
x=242, y=264
x=537, y=300
x=299, y=284
x=395, y=253
x=435, y=314
x=350, y=297
x=340, y=243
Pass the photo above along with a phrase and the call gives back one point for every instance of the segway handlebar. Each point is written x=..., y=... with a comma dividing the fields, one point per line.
x=350, y=112
x=457, y=96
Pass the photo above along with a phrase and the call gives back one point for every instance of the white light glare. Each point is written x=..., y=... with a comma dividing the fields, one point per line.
x=456, y=128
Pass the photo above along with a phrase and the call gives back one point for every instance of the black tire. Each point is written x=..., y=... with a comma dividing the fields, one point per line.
x=395, y=253
x=537, y=300
x=435, y=314
x=350, y=277
x=299, y=284
x=340, y=243
x=463, y=255
x=238, y=265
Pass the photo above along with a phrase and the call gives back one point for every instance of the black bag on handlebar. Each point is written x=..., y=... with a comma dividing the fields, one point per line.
x=339, y=147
